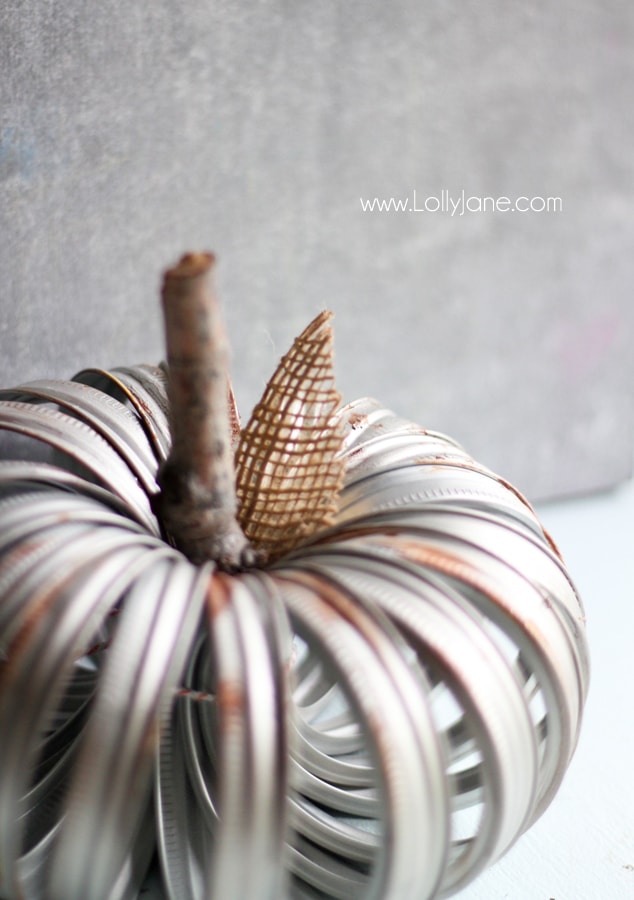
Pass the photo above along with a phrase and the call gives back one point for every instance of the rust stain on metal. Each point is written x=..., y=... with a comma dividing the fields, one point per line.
x=313, y=583
x=443, y=459
x=414, y=551
x=551, y=543
x=97, y=648
x=19, y=552
x=454, y=566
x=231, y=698
x=150, y=738
x=340, y=603
x=218, y=593
x=196, y=696
x=235, y=427
x=144, y=406
x=357, y=420
x=21, y=640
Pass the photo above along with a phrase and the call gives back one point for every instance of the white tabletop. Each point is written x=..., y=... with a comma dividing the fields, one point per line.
x=583, y=846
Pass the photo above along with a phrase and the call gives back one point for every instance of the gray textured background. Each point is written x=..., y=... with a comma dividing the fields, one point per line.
x=130, y=132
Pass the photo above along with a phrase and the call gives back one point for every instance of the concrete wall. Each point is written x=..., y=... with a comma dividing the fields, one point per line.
x=132, y=131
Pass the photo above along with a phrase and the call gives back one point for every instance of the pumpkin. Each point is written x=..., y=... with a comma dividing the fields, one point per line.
x=354, y=668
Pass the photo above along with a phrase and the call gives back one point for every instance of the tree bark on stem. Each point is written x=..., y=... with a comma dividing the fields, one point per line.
x=197, y=502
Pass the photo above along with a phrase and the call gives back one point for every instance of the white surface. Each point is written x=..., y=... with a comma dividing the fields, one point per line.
x=583, y=846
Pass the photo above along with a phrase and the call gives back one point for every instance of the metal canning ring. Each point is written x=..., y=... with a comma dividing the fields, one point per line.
x=252, y=740
x=415, y=486
x=347, y=769
x=394, y=451
x=317, y=873
x=385, y=691
x=434, y=620
x=112, y=774
x=345, y=837
x=512, y=545
x=183, y=832
x=82, y=444
x=19, y=475
x=367, y=419
x=509, y=541
x=104, y=414
x=75, y=599
x=542, y=636
x=145, y=394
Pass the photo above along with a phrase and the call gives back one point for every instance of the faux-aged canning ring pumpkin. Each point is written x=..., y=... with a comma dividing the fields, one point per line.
x=355, y=669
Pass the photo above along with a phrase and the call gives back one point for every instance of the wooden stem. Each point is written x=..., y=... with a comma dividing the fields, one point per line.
x=197, y=502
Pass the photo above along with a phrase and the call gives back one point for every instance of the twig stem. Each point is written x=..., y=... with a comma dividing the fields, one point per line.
x=197, y=503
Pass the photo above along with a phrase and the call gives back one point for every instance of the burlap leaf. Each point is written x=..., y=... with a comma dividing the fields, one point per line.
x=288, y=470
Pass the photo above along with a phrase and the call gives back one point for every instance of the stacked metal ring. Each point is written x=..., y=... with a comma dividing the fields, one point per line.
x=380, y=714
